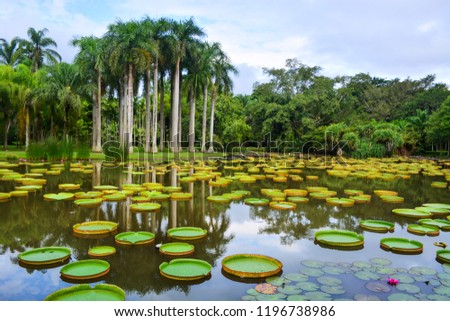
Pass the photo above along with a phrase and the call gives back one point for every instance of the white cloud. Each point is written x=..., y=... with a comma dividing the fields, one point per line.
x=426, y=27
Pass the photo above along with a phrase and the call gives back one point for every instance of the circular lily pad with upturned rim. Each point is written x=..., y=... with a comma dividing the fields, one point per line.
x=134, y=238
x=69, y=186
x=298, y=199
x=85, y=269
x=409, y=212
x=401, y=245
x=186, y=233
x=84, y=292
x=437, y=205
x=444, y=225
x=176, y=249
x=435, y=211
x=185, y=269
x=218, y=199
x=344, y=202
x=45, y=255
x=251, y=265
x=423, y=229
x=105, y=187
x=101, y=251
x=257, y=201
x=95, y=228
x=145, y=207
x=339, y=238
x=283, y=205
x=377, y=226
x=443, y=256
x=89, y=202
x=58, y=197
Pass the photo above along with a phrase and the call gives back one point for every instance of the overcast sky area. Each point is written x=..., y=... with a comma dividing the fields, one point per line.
x=385, y=38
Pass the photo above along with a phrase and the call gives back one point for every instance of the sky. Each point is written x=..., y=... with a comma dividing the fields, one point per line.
x=385, y=38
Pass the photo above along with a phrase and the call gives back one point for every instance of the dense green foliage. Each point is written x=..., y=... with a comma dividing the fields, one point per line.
x=153, y=83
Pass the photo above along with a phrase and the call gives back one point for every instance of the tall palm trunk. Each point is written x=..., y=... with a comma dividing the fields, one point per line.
x=191, y=138
x=162, y=120
x=130, y=107
x=147, y=110
x=27, y=125
x=122, y=110
x=175, y=107
x=180, y=115
x=211, y=124
x=7, y=124
x=205, y=107
x=97, y=116
x=155, y=106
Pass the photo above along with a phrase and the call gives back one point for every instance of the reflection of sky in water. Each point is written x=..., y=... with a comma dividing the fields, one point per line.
x=285, y=235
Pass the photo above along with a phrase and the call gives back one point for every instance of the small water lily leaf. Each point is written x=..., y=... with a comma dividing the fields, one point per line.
x=333, y=270
x=296, y=277
x=312, y=272
x=270, y=297
x=443, y=276
x=307, y=286
x=318, y=296
x=248, y=298
x=385, y=270
x=332, y=289
x=410, y=288
x=442, y=289
x=313, y=263
x=437, y=297
x=328, y=280
x=289, y=290
x=421, y=278
x=297, y=297
x=402, y=278
x=418, y=270
x=437, y=283
x=401, y=297
x=278, y=280
x=366, y=275
x=380, y=261
x=266, y=288
x=361, y=264
x=378, y=287
x=252, y=292
x=365, y=297
x=446, y=267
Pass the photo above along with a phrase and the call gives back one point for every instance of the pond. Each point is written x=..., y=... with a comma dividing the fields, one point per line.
x=310, y=271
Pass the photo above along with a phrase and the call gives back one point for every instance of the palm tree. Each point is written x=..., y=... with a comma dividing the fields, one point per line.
x=63, y=84
x=10, y=52
x=90, y=59
x=38, y=48
x=222, y=83
x=183, y=33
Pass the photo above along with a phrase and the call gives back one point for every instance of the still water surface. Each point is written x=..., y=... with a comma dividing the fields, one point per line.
x=288, y=236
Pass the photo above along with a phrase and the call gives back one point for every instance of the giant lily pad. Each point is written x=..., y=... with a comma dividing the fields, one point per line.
x=186, y=233
x=101, y=251
x=257, y=201
x=401, y=297
x=339, y=238
x=69, y=186
x=58, y=197
x=185, y=269
x=177, y=196
x=443, y=255
x=45, y=255
x=444, y=225
x=437, y=205
x=409, y=288
x=145, y=207
x=135, y=238
x=85, y=270
x=377, y=226
x=423, y=229
x=328, y=280
x=289, y=290
x=251, y=265
x=366, y=275
x=435, y=211
x=218, y=199
x=89, y=202
x=312, y=272
x=308, y=286
x=408, y=212
x=283, y=205
x=401, y=245
x=344, y=202
x=378, y=287
x=95, y=228
x=84, y=292
x=176, y=249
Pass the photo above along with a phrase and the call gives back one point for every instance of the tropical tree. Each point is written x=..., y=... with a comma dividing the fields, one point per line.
x=11, y=53
x=90, y=59
x=38, y=48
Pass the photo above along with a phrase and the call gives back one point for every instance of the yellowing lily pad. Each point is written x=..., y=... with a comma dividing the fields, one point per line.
x=58, y=197
x=145, y=207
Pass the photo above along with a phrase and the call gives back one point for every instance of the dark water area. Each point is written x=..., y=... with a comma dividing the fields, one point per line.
x=31, y=222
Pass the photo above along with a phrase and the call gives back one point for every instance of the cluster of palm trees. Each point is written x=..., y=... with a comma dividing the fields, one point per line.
x=145, y=54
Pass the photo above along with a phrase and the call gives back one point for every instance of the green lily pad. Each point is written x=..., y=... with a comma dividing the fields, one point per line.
x=423, y=229
x=296, y=277
x=185, y=269
x=403, y=278
x=312, y=263
x=437, y=205
x=145, y=207
x=401, y=297
x=251, y=265
x=366, y=275
x=419, y=270
x=410, y=288
x=377, y=225
x=442, y=289
x=95, y=228
x=176, y=249
x=318, y=296
x=385, y=270
x=135, y=238
x=380, y=261
x=84, y=292
x=88, y=202
x=379, y=287
x=85, y=269
x=186, y=233
x=101, y=251
x=312, y=272
x=334, y=290
x=401, y=245
x=278, y=280
x=362, y=264
x=328, y=280
x=58, y=197
x=408, y=212
x=252, y=292
x=257, y=201
x=444, y=225
x=437, y=297
x=365, y=297
x=289, y=290
x=45, y=255
x=446, y=267
x=308, y=286
x=333, y=270
x=339, y=238
x=297, y=297
x=248, y=298
x=271, y=297
x=443, y=255
x=434, y=210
